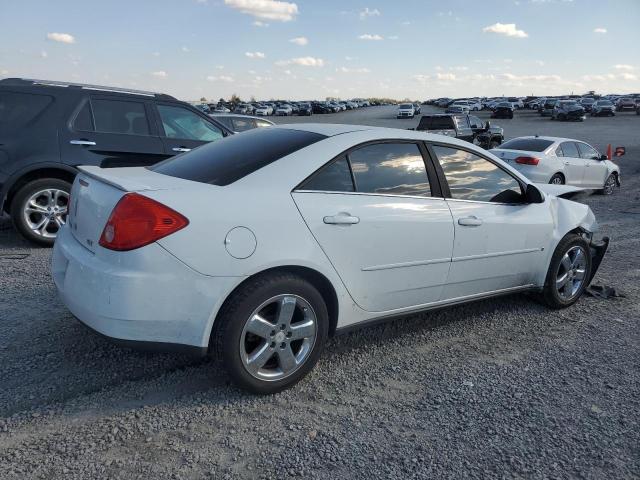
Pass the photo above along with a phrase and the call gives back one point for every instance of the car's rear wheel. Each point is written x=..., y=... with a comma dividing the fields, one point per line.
x=569, y=272
x=272, y=332
x=39, y=209
x=609, y=185
x=557, y=179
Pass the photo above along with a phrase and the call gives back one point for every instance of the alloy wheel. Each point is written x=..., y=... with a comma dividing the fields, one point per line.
x=571, y=273
x=45, y=212
x=278, y=337
x=609, y=185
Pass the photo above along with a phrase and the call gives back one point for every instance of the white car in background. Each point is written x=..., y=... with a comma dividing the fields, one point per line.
x=472, y=105
x=347, y=225
x=263, y=110
x=406, y=110
x=285, y=110
x=560, y=161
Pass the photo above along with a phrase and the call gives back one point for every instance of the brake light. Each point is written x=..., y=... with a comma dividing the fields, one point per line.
x=137, y=221
x=527, y=160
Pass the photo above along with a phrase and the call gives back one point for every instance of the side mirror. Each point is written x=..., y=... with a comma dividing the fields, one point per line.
x=620, y=151
x=603, y=157
x=487, y=125
x=533, y=195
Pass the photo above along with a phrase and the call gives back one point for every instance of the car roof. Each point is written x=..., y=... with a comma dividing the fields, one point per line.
x=551, y=139
x=327, y=129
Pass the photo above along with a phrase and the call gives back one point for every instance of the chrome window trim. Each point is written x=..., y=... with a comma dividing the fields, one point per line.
x=328, y=192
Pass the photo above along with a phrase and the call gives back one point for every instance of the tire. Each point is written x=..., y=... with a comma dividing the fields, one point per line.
x=235, y=343
x=494, y=144
x=571, y=267
x=609, y=185
x=557, y=179
x=49, y=208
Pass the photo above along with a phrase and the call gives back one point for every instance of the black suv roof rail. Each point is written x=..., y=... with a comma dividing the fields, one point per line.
x=100, y=88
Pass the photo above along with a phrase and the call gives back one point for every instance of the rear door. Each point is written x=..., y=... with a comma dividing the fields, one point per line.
x=110, y=131
x=595, y=170
x=574, y=166
x=385, y=230
x=499, y=239
x=184, y=129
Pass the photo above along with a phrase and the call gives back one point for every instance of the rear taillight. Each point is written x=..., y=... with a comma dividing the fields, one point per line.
x=527, y=160
x=137, y=221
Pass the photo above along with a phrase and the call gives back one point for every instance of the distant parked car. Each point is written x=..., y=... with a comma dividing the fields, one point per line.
x=560, y=161
x=515, y=102
x=406, y=110
x=203, y=107
x=48, y=129
x=603, y=108
x=457, y=108
x=284, y=110
x=625, y=103
x=568, y=110
x=321, y=107
x=587, y=103
x=240, y=123
x=305, y=109
x=221, y=109
x=243, y=109
x=546, y=108
x=464, y=127
x=503, y=110
x=417, y=108
x=263, y=110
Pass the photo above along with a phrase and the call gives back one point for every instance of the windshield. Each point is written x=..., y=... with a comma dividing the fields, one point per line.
x=406, y=106
x=603, y=103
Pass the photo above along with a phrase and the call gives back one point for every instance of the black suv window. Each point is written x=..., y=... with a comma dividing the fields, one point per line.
x=17, y=109
x=392, y=168
x=436, y=123
x=223, y=162
x=471, y=177
x=334, y=177
x=120, y=116
x=84, y=120
x=180, y=122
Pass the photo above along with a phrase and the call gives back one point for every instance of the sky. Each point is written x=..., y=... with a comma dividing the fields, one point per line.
x=312, y=49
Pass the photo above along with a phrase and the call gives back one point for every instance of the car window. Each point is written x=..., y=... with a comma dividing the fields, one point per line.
x=461, y=121
x=559, y=152
x=334, y=177
x=120, y=116
x=569, y=149
x=17, y=109
x=471, y=177
x=475, y=122
x=527, y=144
x=84, y=120
x=436, y=123
x=242, y=124
x=226, y=161
x=262, y=123
x=179, y=122
x=586, y=151
x=391, y=168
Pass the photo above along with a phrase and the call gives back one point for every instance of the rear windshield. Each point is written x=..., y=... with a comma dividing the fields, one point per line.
x=436, y=123
x=232, y=158
x=406, y=106
x=527, y=144
x=17, y=109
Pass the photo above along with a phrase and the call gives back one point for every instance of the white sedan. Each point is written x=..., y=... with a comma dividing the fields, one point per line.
x=560, y=161
x=263, y=110
x=261, y=245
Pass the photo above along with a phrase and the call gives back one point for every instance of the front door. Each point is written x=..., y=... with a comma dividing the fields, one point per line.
x=574, y=166
x=108, y=132
x=373, y=214
x=184, y=129
x=498, y=238
x=595, y=170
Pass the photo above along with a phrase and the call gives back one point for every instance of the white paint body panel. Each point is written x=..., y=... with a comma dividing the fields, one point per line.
x=401, y=257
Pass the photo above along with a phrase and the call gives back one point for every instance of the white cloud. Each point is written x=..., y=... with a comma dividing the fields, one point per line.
x=599, y=30
x=300, y=41
x=302, y=61
x=369, y=13
x=353, y=70
x=507, y=29
x=368, y=36
x=445, y=76
x=61, y=37
x=43, y=54
x=258, y=23
x=4, y=72
x=156, y=54
x=406, y=22
x=349, y=59
x=160, y=74
x=540, y=63
x=185, y=49
x=254, y=54
x=266, y=9
x=220, y=78
x=628, y=68
x=422, y=79
x=393, y=37
x=628, y=76
x=220, y=67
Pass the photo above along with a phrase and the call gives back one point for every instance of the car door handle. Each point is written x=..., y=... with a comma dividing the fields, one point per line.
x=181, y=149
x=471, y=221
x=86, y=143
x=341, y=219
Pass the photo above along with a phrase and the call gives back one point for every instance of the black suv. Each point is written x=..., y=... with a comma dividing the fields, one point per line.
x=47, y=129
x=464, y=127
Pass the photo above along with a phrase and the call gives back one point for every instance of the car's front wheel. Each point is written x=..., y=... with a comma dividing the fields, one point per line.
x=569, y=272
x=272, y=332
x=39, y=209
x=609, y=185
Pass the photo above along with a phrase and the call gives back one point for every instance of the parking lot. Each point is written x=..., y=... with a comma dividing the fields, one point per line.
x=496, y=389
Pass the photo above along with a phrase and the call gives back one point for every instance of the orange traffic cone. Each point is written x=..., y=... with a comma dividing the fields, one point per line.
x=609, y=154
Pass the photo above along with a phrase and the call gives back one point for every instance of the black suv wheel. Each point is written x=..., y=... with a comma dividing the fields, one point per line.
x=39, y=209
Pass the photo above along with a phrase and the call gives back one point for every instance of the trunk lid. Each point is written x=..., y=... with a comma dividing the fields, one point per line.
x=510, y=155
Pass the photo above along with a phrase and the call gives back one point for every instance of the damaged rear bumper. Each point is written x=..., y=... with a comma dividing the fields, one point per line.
x=598, y=249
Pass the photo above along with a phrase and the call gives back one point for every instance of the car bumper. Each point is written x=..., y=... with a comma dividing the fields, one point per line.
x=598, y=250
x=145, y=298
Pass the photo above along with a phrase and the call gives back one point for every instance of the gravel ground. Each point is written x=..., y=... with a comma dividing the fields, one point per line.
x=496, y=389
